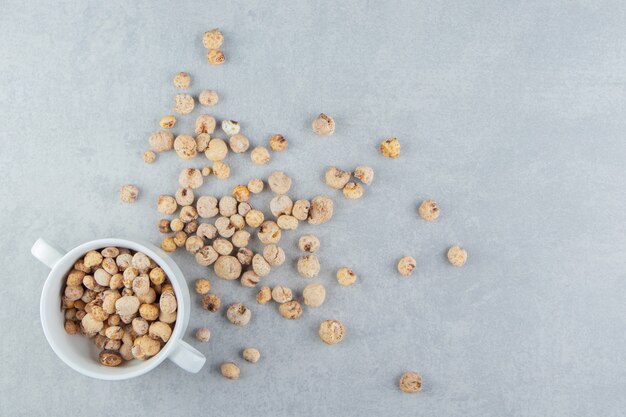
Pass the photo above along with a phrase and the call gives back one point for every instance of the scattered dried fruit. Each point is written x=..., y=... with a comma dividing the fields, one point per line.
x=290, y=310
x=336, y=178
x=213, y=39
x=365, y=174
x=216, y=57
x=308, y=266
x=260, y=155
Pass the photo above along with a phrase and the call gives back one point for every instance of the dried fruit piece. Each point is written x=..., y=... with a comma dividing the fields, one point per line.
x=429, y=210
x=323, y=125
x=321, y=210
x=346, y=276
x=314, y=294
x=202, y=286
x=183, y=103
x=264, y=295
x=457, y=256
x=278, y=143
x=211, y=302
x=290, y=310
x=331, y=331
x=213, y=39
x=230, y=370
x=208, y=98
x=216, y=57
x=185, y=146
x=260, y=155
x=167, y=122
x=238, y=314
x=336, y=178
x=411, y=382
x=365, y=174
x=390, y=148
x=203, y=335
x=308, y=243
x=353, y=191
x=182, y=80
x=110, y=358
x=161, y=141
x=252, y=355
x=205, y=124
x=282, y=294
x=308, y=266
x=149, y=157
x=406, y=266
x=128, y=193
x=230, y=127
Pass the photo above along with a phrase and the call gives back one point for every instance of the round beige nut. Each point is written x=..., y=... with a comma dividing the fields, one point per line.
x=92, y=258
x=164, y=226
x=159, y=330
x=227, y=267
x=141, y=285
x=390, y=148
x=168, y=244
x=287, y=222
x=290, y=310
x=228, y=206
x=241, y=193
x=230, y=370
x=203, y=334
x=167, y=302
x=183, y=103
x=161, y=141
x=75, y=277
x=177, y=225
x=323, y=125
x=237, y=221
x=278, y=143
x=252, y=355
x=255, y=185
x=207, y=207
x=282, y=294
x=182, y=80
x=144, y=347
x=269, y=232
x=346, y=276
x=274, y=255
x=213, y=39
x=114, y=332
x=406, y=266
x=167, y=122
x=185, y=146
x=157, y=276
x=193, y=244
x=321, y=210
x=300, y=209
x=429, y=210
x=208, y=98
x=149, y=297
x=260, y=266
x=202, y=143
x=314, y=294
x=254, y=218
x=206, y=231
x=336, y=178
x=264, y=295
x=149, y=312
x=71, y=327
x=188, y=214
x=239, y=143
x=352, y=191
x=279, y=182
x=308, y=243
x=308, y=266
x=241, y=238
x=365, y=174
x=128, y=193
x=211, y=302
x=260, y=155
x=250, y=279
x=127, y=305
x=217, y=150
x=110, y=252
x=90, y=324
x=281, y=204
x=222, y=246
x=221, y=170
x=149, y=157
x=457, y=256
x=216, y=57
x=410, y=382
x=110, y=358
x=184, y=196
x=245, y=255
x=205, y=123
x=140, y=325
x=202, y=286
x=141, y=262
x=230, y=127
x=238, y=314
x=331, y=331
x=166, y=204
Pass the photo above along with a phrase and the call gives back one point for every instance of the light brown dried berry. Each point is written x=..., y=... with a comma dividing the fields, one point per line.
x=161, y=141
x=230, y=370
x=71, y=327
x=308, y=266
x=260, y=155
x=167, y=122
x=314, y=294
x=149, y=157
x=166, y=204
x=206, y=231
x=230, y=127
x=241, y=238
x=346, y=276
x=216, y=57
x=255, y=185
x=203, y=334
x=128, y=193
x=222, y=246
x=180, y=238
x=406, y=266
x=287, y=222
x=159, y=330
x=323, y=125
x=245, y=255
x=264, y=295
x=331, y=331
x=250, y=279
x=274, y=255
x=188, y=214
x=190, y=178
x=429, y=210
x=221, y=170
x=282, y=294
x=260, y=266
x=457, y=256
x=365, y=174
x=184, y=196
x=212, y=39
x=239, y=143
x=336, y=178
x=183, y=103
x=352, y=191
x=238, y=314
x=410, y=382
x=206, y=171
x=194, y=244
x=205, y=124
x=144, y=347
x=207, y=206
x=109, y=358
x=278, y=143
x=281, y=204
x=228, y=206
x=255, y=218
x=269, y=232
x=185, y=146
x=290, y=310
x=202, y=142
x=241, y=193
x=252, y=355
x=301, y=209
x=168, y=244
x=321, y=210
x=211, y=302
x=208, y=98
x=182, y=80
x=202, y=286
x=308, y=243
x=227, y=267
x=279, y=182
x=390, y=148
x=177, y=225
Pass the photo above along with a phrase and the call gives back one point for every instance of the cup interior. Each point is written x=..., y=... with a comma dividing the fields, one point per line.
x=80, y=352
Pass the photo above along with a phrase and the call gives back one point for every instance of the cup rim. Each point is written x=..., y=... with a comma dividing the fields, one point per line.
x=172, y=271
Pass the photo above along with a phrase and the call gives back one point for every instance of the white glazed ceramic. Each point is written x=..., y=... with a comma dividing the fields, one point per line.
x=80, y=353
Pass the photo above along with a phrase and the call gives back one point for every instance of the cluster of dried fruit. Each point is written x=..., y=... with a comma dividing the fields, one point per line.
x=123, y=300
x=339, y=179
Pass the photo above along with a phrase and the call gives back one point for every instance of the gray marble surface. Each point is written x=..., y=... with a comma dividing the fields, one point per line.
x=511, y=115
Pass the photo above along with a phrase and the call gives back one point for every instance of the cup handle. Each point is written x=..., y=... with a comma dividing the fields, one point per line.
x=46, y=253
x=187, y=357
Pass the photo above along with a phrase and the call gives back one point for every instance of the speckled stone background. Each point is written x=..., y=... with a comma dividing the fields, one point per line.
x=510, y=113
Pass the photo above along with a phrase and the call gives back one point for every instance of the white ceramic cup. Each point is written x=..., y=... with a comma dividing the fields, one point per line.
x=80, y=353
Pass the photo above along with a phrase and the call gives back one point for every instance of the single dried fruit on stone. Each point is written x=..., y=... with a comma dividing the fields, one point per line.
x=336, y=178
x=241, y=193
x=216, y=57
x=230, y=127
x=321, y=210
x=183, y=103
x=238, y=314
x=323, y=125
x=149, y=157
x=308, y=266
x=185, y=146
x=184, y=196
x=161, y=141
x=205, y=124
x=240, y=238
x=314, y=294
x=390, y=148
x=365, y=174
x=203, y=286
x=222, y=246
x=278, y=143
x=221, y=170
x=213, y=39
x=207, y=206
x=269, y=232
x=190, y=178
x=128, y=193
x=166, y=204
x=182, y=80
x=239, y=143
x=406, y=266
x=457, y=256
x=410, y=382
x=282, y=294
x=110, y=358
x=208, y=98
x=346, y=276
x=281, y=204
x=252, y=355
x=230, y=370
x=264, y=295
x=206, y=231
x=429, y=210
x=308, y=243
x=260, y=155
x=301, y=209
x=331, y=332
x=255, y=185
x=211, y=302
x=217, y=150
x=290, y=310
x=167, y=122
x=227, y=267
x=352, y=191
x=206, y=171
x=279, y=182
x=203, y=334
